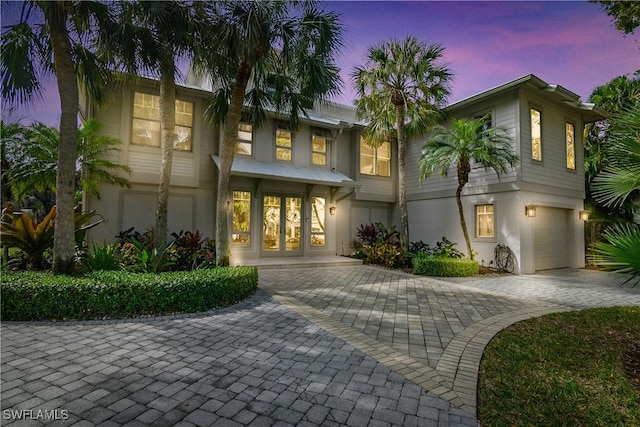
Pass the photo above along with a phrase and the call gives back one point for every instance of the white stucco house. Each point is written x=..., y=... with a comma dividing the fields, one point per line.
x=305, y=192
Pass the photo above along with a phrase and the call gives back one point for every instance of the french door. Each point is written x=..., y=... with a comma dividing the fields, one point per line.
x=281, y=225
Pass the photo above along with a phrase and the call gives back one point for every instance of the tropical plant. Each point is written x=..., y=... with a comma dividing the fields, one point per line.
x=400, y=92
x=620, y=248
x=51, y=38
x=33, y=237
x=32, y=158
x=367, y=234
x=152, y=260
x=625, y=14
x=269, y=55
x=466, y=141
x=104, y=257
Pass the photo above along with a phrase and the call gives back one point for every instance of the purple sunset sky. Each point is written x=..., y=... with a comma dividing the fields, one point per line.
x=570, y=43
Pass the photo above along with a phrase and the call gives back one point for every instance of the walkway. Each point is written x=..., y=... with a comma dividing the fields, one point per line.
x=340, y=345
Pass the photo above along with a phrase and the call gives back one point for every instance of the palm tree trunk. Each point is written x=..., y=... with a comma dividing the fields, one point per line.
x=463, y=223
x=64, y=241
x=167, y=123
x=227, y=151
x=402, y=190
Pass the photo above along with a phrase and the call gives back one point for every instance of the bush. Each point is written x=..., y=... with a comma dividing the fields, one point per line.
x=113, y=294
x=444, y=267
x=388, y=254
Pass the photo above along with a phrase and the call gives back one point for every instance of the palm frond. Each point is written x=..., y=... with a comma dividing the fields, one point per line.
x=620, y=251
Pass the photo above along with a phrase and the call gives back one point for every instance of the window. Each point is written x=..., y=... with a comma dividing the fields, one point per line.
x=571, y=147
x=484, y=221
x=319, y=148
x=318, y=215
x=284, y=144
x=145, y=129
x=487, y=121
x=536, y=135
x=241, y=223
x=245, y=139
x=375, y=160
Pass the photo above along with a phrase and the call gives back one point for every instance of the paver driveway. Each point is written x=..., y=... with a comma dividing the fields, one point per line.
x=352, y=345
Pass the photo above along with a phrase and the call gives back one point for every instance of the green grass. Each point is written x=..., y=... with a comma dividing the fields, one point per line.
x=564, y=369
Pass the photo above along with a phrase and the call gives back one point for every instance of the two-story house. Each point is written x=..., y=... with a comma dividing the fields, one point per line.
x=305, y=191
x=537, y=208
x=296, y=192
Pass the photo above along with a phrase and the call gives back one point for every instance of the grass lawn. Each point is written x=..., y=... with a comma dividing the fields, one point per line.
x=577, y=368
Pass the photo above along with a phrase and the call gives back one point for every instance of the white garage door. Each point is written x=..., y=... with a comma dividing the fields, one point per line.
x=550, y=238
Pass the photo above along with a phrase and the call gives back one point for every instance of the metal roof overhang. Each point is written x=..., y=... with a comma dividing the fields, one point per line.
x=283, y=172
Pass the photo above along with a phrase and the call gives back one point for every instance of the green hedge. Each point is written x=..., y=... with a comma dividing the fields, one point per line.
x=444, y=267
x=114, y=294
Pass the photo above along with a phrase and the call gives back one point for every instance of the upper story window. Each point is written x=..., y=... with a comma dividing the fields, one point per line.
x=284, y=144
x=570, y=134
x=487, y=121
x=484, y=221
x=245, y=139
x=319, y=144
x=375, y=160
x=536, y=134
x=145, y=129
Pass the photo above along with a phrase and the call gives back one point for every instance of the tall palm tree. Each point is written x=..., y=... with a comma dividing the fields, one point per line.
x=457, y=146
x=51, y=38
x=269, y=55
x=151, y=37
x=400, y=92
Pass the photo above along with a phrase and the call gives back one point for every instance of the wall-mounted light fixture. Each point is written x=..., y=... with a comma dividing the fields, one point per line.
x=583, y=215
x=332, y=210
x=530, y=211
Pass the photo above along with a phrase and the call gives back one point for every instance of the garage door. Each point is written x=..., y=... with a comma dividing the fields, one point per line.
x=550, y=238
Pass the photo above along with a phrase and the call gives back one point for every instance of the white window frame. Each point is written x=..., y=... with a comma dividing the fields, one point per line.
x=376, y=158
x=283, y=128
x=571, y=167
x=533, y=108
x=477, y=214
x=244, y=141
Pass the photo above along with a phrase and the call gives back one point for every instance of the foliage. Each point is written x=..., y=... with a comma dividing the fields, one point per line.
x=100, y=258
x=625, y=13
x=191, y=250
x=619, y=251
x=33, y=237
x=441, y=266
x=113, y=294
x=152, y=260
x=563, y=369
x=388, y=253
x=460, y=144
x=367, y=234
x=400, y=91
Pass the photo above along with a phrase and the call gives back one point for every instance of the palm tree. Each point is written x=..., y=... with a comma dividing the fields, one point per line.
x=32, y=157
x=151, y=37
x=400, y=91
x=269, y=55
x=620, y=180
x=464, y=142
x=57, y=47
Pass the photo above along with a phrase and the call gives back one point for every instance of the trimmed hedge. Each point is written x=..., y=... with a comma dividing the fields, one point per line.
x=116, y=294
x=444, y=267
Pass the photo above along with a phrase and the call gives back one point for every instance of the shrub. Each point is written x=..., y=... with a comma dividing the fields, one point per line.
x=99, y=258
x=388, y=254
x=444, y=267
x=44, y=296
x=367, y=234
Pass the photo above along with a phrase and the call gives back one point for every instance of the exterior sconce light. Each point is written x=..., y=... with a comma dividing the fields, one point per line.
x=583, y=215
x=530, y=211
x=332, y=210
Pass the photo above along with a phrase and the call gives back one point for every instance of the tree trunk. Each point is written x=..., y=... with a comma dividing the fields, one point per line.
x=402, y=190
x=64, y=239
x=227, y=151
x=167, y=124
x=463, y=223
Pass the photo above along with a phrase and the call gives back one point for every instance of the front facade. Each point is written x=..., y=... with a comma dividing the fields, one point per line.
x=304, y=192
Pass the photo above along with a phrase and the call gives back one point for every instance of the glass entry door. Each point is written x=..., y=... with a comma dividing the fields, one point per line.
x=281, y=225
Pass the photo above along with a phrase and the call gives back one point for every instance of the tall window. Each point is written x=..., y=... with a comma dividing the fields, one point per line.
x=375, y=160
x=245, y=139
x=145, y=129
x=487, y=121
x=284, y=144
x=571, y=146
x=536, y=135
x=318, y=216
x=484, y=221
x=319, y=148
x=241, y=223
